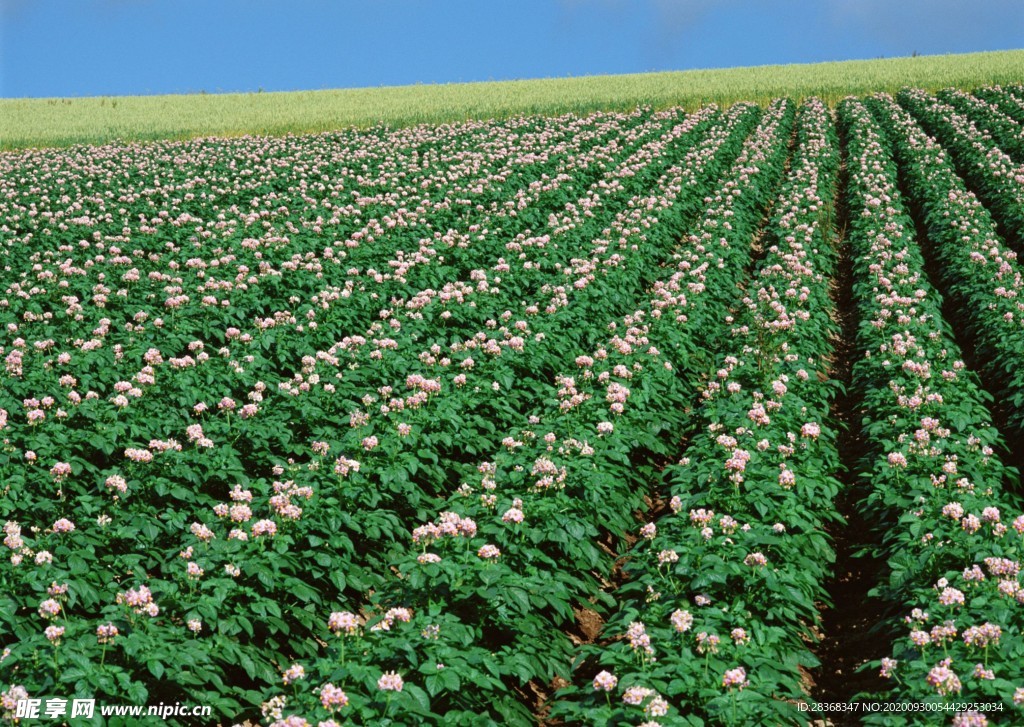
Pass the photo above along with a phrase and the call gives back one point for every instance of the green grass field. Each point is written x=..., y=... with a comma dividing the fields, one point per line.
x=61, y=122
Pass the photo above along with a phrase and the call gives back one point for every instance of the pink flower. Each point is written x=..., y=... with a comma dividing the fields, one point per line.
x=920, y=638
x=488, y=552
x=639, y=640
x=332, y=698
x=139, y=455
x=140, y=601
x=9, y=699
x=293, y=674
x=897, y=460
x=63, y=526
x=240, y=513
x=636, y=695
x=701, y=516
x=118, y=483
x=605, y=682
x=657, y=707
x=237, y=494
x=49, y=608
x=755, y=560
x=951, y=597
x=264, y=527
x=970, y=718
x=944, y=679
x=953, y=510
x=971, y=523
x=681, y=620
x=202, y=532
x=343, y=622
x=248, y=411
x=342, y=466
x=980, y=672
x=105, y=633
x=707, y=643
x=53, y=633
x=982, y=636
x=390, y=682
x=735, y=678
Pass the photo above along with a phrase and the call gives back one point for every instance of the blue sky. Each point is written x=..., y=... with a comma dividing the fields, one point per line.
x=114, y=47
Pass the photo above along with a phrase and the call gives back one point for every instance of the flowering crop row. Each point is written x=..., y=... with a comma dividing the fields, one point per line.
x=515, y=551
x=95, y=369
x=153, y=510
x=257, y=586
x=979, y=271
x=935, y=482
x=1009, y=104
x=360, y=427
x=414, y=314
x=722, y=591
x=401, y=463
x=257, y=604
x=988, y=118
x=998, y=180
x=591, y=165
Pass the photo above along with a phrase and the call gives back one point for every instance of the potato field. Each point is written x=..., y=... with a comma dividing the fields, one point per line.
x=628, y=418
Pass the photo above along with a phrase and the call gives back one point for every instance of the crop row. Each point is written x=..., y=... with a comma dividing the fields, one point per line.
x=488, y=422
x=979, y=271
x=541, y=503
x=721, y=590
x=277, y=581
x=1010, y=104
x=998, y=181
x=989, y=119
x=945, y=525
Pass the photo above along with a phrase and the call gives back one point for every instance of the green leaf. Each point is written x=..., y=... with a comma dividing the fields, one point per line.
x=420, y=697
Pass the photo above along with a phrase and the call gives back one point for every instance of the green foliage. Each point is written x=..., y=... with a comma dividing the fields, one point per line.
x=44, y=122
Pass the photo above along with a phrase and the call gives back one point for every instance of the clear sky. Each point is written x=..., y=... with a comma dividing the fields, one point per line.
x=115, y=47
